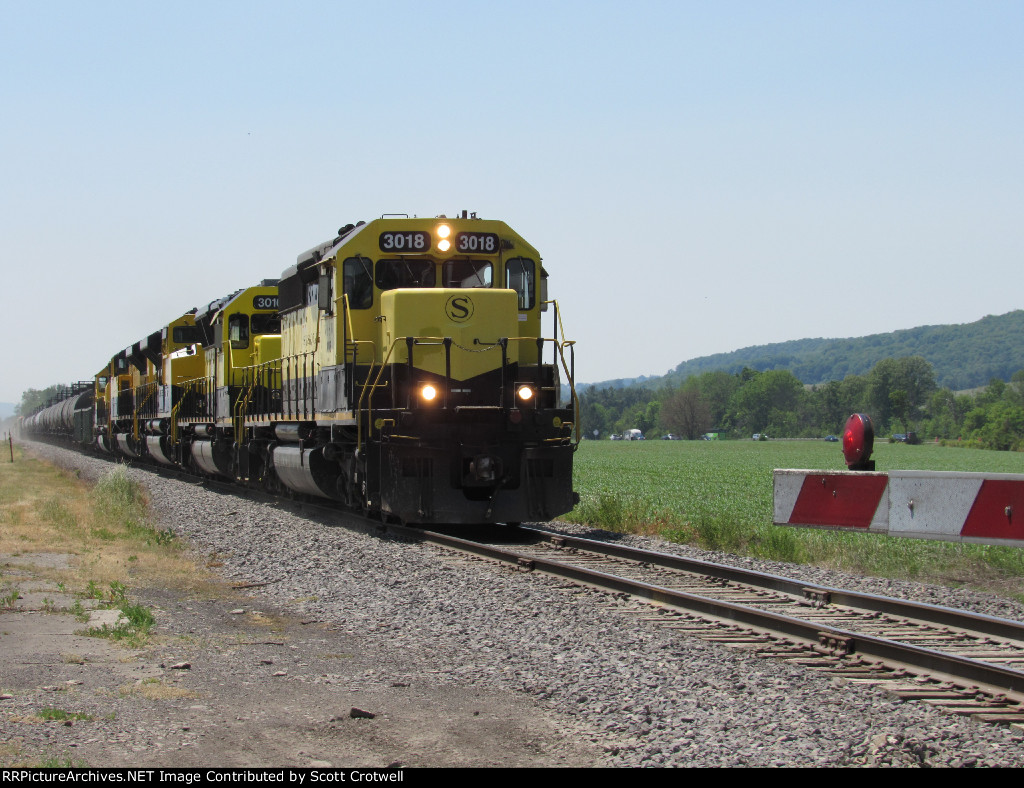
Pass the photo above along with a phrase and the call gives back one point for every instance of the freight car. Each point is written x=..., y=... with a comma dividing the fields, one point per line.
x=399, y=368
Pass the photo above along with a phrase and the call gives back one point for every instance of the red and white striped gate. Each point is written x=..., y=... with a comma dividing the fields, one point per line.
x=963, y=507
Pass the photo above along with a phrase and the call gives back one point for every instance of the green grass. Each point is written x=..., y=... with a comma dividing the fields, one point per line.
x=8, y=595
x=54, y=762
x=718, y=495
x=118, y=498
x=120, y=509
x=133, y=630
x=59, y=715
x=56, y=513
x=138, y=620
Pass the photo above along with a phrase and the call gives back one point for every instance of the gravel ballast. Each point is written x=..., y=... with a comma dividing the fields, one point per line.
x=636, y=694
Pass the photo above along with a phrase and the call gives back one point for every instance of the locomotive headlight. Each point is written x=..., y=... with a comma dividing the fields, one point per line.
x=525, y=393
x=428, y=393
x=443, y=232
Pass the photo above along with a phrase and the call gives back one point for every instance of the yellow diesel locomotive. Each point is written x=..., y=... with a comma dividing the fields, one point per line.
x=401, y=368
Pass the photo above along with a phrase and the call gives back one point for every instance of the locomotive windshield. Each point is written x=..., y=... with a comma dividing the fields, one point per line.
x=467, y=273
x=392, y=274
x=266, y=324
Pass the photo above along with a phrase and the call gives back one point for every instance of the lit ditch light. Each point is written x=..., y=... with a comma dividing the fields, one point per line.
x=428, y=393
x=858, y=442
x=525, y=393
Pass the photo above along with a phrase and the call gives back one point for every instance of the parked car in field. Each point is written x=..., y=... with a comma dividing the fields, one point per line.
x=832, y=439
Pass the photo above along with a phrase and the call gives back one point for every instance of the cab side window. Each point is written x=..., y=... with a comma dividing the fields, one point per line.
x=238, y=330
x=185, y=335
x=358, y=273
x=521, y=276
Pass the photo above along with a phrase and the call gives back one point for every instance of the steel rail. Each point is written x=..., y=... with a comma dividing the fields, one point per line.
x=948, y=666
x=934, y=614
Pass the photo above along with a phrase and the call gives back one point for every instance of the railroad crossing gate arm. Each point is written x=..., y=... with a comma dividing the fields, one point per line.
x=951, y=506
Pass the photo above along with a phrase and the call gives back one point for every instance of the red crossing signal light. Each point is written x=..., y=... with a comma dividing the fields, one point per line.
x=858, y=442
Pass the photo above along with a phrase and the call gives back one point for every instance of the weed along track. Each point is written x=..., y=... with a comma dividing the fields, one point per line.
x=467, y=660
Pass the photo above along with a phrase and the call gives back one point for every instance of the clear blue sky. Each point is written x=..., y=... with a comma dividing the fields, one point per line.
x=698, y=176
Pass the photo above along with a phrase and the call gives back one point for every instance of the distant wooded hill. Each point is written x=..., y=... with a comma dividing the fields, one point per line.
x=963, y=356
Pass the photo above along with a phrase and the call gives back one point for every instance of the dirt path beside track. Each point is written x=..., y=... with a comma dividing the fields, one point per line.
x=233, y=682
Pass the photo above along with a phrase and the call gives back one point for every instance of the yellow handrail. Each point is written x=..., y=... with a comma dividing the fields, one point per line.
x=242, y=401
x=135, y=415
x=362, y=392
x=561, y=346
x=572, y=387
x=187, y=387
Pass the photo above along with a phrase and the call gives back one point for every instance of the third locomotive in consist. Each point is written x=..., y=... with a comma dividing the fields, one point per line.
x=400, y=368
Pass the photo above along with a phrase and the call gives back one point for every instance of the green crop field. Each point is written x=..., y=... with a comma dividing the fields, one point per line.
x=718, y=495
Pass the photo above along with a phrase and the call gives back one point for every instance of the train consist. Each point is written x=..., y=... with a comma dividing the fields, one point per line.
x=399, y=368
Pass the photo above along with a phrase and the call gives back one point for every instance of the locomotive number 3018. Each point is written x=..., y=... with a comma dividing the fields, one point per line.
x=486, y=243
x=409, y=241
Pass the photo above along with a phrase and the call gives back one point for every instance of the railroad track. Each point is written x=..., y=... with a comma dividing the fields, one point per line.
x=966, y=663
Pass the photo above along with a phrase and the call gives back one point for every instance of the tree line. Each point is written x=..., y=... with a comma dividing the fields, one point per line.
x=900, y=395
x=33, y=399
